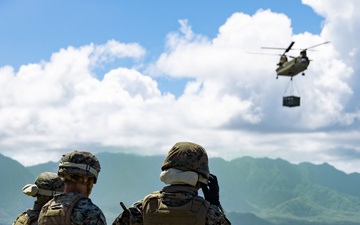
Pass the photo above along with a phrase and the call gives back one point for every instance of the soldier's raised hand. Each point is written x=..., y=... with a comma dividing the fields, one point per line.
x=211, y=190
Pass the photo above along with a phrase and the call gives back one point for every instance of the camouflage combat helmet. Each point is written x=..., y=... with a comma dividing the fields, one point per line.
x=187, y=156
x=46, y=184
x=79, y=163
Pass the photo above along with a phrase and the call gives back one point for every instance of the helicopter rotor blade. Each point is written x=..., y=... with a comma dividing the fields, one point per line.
x=286, y=49
x=257, y=53
x=317, y=45
x=273, y=48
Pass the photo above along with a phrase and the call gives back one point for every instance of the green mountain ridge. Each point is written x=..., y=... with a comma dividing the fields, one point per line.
x=14, y=177
x=252, y=190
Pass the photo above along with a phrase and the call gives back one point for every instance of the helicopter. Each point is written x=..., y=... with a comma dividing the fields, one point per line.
x=294, y=66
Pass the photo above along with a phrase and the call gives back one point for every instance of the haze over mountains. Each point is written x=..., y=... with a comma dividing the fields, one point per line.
x=253, y=191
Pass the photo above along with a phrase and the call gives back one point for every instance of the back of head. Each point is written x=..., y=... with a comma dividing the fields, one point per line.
x=47, y=184
x=79, y=164
x=187, y=156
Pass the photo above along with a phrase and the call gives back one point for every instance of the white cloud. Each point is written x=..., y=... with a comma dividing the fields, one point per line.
x=342, y=22
x=248, y=78
x=113, y=50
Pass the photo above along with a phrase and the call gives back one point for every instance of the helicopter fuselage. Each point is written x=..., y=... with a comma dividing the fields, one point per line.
x=293, y=67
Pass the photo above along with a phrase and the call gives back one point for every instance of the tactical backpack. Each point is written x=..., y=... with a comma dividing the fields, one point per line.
x=59, y=212
x=156, y=212
x=27, y=218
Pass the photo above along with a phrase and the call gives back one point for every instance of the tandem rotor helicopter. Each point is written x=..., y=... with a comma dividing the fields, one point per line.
x=291, y=68
x=296, y=65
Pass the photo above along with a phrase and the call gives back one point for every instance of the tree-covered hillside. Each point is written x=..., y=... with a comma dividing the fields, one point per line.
x=253, y=191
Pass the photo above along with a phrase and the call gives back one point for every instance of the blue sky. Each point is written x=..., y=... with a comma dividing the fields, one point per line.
x=33, y=30
x=138, y=76
x=39, y=28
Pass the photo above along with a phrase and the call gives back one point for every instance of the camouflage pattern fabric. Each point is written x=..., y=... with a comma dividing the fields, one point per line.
x=187, y=156
x=27, y=218
x=49, y=181
x=30, y=216
x=83, y=212
x=215, y=216
x=78, y=157
x=86, y=212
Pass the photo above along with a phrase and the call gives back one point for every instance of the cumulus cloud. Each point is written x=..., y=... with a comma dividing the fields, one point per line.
x=249, y=78
x=231, y=104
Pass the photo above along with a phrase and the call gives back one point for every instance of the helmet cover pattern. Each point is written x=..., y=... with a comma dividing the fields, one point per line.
x=49, y=181
x=79, y=163
x=187, y=156
x=47, y=185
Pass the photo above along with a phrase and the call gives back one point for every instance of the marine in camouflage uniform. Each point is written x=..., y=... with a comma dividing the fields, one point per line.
x=80, y=170
x=186, y=170
x=46, y=185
